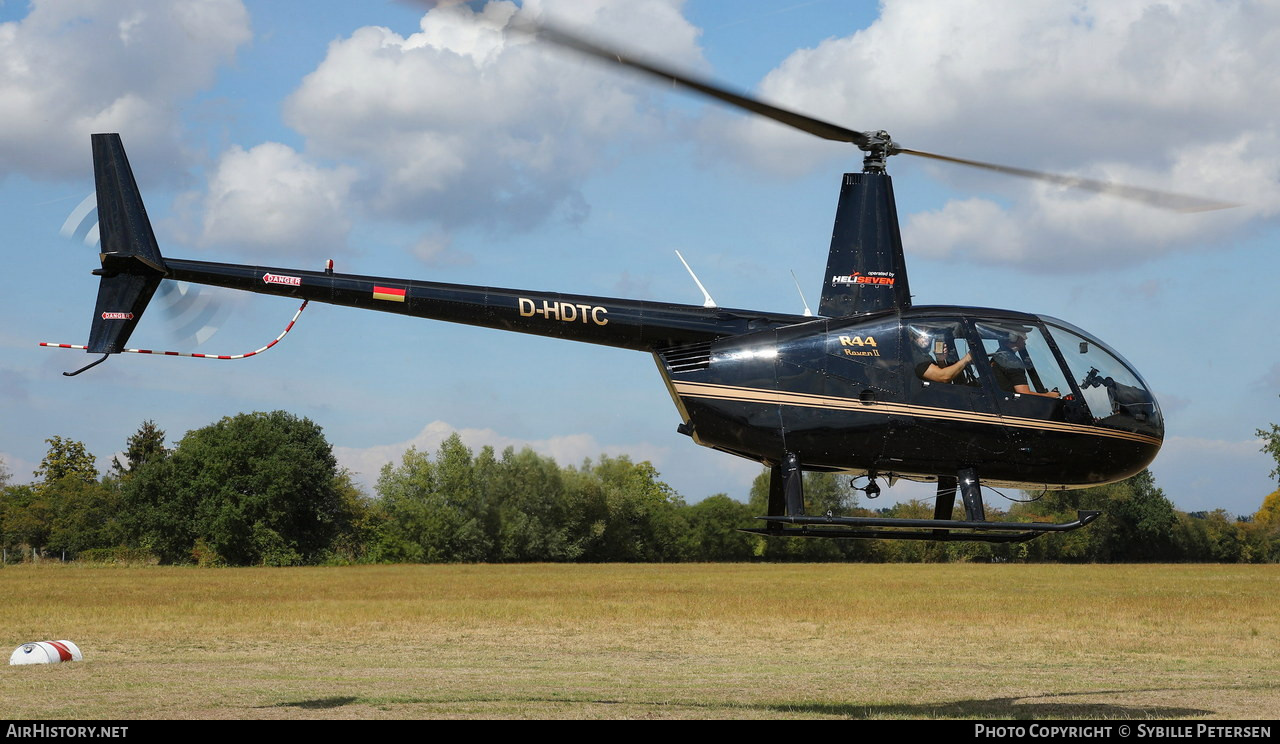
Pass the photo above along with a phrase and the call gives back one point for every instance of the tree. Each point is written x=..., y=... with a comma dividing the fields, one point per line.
x=256, y=488
x=435, y=511
x=157, y=514
x=352, y=545
x=531, y=502
x=66, y=458
x=146, y=445
x=69, y=509
x=1137, y=523
x=523, y=507
x=83, y=515
x=713, y=532
x=1220, y=537
x=1268, y=516
x=624, y=512
x=1271, y=445
x=24, y=514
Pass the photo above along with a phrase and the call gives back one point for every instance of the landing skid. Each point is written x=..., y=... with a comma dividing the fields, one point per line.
x=786, y=507
x=937, y=529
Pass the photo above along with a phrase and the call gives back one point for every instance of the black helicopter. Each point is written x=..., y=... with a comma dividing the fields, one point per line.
x=874, y=387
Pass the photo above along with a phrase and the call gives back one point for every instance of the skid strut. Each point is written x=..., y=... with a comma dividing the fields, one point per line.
x=786, y=489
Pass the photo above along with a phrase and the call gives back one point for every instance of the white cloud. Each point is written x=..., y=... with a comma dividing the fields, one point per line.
x=1061, y=229
x=19, y=470
x=436, y=249
x=464, y=123
x=271, y=198
x=566, y=450
x=978, y=227
x=1176, y=96
x=74, y=67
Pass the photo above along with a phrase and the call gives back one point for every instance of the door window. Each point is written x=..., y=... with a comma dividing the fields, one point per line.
x=939, y=354
x=1022, y=363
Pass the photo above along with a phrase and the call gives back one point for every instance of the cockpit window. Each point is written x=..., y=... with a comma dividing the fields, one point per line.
x=1022, y=363
x=1115, y=394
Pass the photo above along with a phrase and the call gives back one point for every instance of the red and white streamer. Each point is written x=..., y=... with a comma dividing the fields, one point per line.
x=283, y=333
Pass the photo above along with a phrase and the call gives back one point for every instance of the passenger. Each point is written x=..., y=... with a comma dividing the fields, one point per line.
x=936, y=368
x=1010, y=369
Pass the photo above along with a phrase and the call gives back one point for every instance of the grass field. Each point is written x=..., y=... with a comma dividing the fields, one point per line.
x=647, y=641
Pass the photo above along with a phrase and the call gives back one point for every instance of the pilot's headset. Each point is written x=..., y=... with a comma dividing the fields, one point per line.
x=921, y=337
x=1014, y=336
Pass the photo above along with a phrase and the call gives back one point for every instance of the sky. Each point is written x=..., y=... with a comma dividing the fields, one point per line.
x=420, y=141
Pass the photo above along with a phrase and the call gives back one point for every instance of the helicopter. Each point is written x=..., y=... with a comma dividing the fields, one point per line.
x=874, y=386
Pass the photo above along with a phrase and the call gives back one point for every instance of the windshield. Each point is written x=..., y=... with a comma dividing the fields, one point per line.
x=1115, y=394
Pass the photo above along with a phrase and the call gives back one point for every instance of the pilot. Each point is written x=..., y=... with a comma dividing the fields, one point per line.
x=1009, y=368
x=935, y=368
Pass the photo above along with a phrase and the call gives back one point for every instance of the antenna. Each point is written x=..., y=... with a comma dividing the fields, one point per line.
x=807, y=312
x=706, y=297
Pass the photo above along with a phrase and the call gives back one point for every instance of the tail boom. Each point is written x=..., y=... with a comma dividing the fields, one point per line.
x=608, y=321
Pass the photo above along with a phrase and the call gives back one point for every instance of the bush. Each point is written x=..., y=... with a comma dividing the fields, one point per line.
x=121, y=555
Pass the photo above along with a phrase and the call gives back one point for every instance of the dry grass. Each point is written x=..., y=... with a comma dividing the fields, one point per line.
x=645, y=641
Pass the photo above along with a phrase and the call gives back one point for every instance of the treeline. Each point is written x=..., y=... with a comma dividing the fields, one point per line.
x=265, y=489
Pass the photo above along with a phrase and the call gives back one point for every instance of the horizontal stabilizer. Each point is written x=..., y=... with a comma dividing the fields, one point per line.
x=121, y=300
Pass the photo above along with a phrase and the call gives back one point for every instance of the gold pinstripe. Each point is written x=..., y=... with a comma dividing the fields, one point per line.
x=808, y=400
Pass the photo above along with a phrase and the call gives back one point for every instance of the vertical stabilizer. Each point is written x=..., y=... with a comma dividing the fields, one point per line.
x=131, y=263
x=866, y=272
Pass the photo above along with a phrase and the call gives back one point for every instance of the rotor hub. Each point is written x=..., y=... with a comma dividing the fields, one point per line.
x=879, y=146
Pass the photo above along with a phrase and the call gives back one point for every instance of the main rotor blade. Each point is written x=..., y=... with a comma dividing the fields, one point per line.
x=804, y=123
x=1151, y=197
x=868, y=141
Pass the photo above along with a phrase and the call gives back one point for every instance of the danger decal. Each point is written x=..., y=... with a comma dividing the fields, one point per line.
x=289, y=281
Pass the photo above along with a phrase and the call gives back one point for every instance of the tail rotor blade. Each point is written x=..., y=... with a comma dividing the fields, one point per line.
x=195, y=313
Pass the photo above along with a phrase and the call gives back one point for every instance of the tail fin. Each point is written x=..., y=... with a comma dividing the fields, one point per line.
x=132, y=266
x=866, y=272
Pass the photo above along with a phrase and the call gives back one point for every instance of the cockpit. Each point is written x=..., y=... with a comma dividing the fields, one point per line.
x=1048, y=369
x=1024, y=362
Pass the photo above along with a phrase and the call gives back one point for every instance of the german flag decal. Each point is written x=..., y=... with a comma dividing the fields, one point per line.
x=388, y=293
